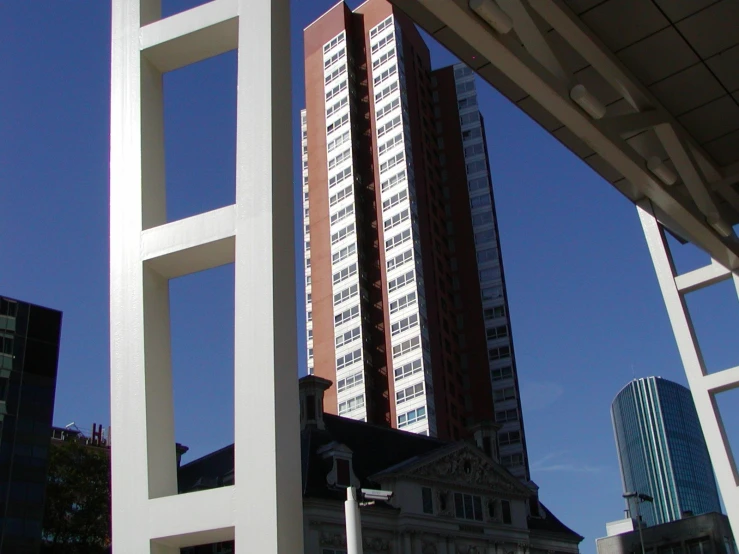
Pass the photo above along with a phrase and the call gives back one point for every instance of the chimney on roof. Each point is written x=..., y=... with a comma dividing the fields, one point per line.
x=485, y=435
x=180, y=450
x=311, y=390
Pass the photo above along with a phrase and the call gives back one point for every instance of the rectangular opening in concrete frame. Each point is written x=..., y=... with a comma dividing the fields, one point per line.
x=172, y=7
x=686, y=257
x=715, y=314
x=202, y=337
x=728, y=406
x=227, y=547
x=200, y=136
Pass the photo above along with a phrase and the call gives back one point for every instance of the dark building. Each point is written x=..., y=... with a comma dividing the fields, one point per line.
x=29, y=352
x=662, y=451
x=702, y=534
x=405, y=293
x=448, y=497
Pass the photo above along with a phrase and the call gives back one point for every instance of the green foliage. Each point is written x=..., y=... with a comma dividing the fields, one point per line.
x=77, y=512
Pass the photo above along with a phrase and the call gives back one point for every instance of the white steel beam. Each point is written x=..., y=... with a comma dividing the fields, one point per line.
x=703, y=386
x=262, y=511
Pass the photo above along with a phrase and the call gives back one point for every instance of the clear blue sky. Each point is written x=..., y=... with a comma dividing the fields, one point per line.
x=587, y=313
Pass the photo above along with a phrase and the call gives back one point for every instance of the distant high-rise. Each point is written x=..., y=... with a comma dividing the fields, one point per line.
x=405, y=294
x=29, y=351
x=662, y=451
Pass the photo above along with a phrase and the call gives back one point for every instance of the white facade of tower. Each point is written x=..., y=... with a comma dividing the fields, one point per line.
x=262, y=511
x=409, y=338
x=306, y=243
x=490, y=271
x=347, y=289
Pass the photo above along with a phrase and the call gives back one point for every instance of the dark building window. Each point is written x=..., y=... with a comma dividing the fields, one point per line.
x=342, y=473
x=310, y=407
x=428, y=503
x=468, y=506
x=487, y=446
x=505, y=506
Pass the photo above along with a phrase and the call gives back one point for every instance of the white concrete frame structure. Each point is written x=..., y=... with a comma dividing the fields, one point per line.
x=262, y=512
x=703, y=385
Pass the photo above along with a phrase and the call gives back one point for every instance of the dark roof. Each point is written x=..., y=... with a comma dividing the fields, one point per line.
x=375, y=449
x=551, y=524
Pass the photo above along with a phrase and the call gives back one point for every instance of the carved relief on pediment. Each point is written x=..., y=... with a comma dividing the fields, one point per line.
x=332, y=539
x=471, y=549
x=428, y=547
x=445, y=502
x=375, y=544
x=465, y=468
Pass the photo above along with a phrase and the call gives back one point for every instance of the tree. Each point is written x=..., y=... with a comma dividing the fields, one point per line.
x=77, y=511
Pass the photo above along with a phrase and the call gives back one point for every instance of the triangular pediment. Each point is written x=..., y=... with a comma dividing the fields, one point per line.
x=460, y=465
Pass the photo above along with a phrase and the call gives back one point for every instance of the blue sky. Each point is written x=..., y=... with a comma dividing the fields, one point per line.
x=587, y=314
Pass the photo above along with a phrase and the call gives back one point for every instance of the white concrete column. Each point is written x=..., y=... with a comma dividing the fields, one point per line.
x=703, y=386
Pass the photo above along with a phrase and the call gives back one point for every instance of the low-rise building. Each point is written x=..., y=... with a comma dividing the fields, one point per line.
x=448, y=497
x=702, y=534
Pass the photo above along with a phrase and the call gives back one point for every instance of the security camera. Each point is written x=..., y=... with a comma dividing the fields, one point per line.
x=375, y=494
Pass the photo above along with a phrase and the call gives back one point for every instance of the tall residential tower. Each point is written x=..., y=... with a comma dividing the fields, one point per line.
x=661, y=450
x=405, y=294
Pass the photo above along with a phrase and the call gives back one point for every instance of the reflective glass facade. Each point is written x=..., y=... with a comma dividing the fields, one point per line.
x=29, y=351
x=662, y=451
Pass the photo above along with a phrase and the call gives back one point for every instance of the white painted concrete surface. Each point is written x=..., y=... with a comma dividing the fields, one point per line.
x=263, y=510
x=703, y=386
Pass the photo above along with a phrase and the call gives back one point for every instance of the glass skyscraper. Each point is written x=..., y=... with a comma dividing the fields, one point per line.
x=29, y=351
x=662, y=451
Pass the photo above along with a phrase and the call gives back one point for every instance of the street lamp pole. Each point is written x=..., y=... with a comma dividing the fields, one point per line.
x=638, y=499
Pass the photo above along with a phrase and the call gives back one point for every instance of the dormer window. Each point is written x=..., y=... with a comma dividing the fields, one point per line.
x=341, y=474
x=310, y=407
x=311, y=390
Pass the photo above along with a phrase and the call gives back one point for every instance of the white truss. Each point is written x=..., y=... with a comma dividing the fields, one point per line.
x=263, y=510
x=704, y=386
x=525, y=61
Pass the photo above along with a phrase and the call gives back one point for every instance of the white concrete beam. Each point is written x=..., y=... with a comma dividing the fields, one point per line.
x=197, y=243
x=194, y=518
x=569, y=26
x=701, y=278
x=191, y=36
x=722, y=381
x=681, y=155
x=532, y=38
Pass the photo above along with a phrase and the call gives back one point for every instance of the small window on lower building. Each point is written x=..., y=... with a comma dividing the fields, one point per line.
x=427, y=499
x=505, y=508
x=468, y=506
x=699, y=546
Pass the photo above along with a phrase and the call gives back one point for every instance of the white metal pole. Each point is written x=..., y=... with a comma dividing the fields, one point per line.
x=353, y=522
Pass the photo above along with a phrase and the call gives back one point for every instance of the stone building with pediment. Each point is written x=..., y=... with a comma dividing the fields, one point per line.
x=448, y=498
